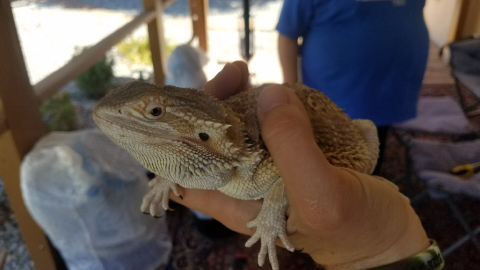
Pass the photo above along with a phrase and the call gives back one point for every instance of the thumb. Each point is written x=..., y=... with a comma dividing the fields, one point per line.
x=286, y=130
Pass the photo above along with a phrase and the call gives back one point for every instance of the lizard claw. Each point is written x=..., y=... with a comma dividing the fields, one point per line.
x=158, y=194
x=270, y=224
x=298, y=250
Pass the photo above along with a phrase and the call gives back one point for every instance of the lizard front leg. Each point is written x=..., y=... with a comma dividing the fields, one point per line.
x=270, y=223
x=158, y=193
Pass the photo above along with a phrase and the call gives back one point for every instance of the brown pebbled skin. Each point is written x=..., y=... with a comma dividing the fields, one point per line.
x=344, y=142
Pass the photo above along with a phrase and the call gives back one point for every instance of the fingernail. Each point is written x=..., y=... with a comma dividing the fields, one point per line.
x=271, y=97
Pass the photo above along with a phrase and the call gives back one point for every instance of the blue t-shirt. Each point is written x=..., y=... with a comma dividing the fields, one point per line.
x=368, y=56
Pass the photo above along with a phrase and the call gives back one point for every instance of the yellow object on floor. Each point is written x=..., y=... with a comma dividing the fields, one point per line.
x=466, y=170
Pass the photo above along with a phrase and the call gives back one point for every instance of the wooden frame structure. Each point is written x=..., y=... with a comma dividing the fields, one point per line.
x=20, y=120
x=466, y=21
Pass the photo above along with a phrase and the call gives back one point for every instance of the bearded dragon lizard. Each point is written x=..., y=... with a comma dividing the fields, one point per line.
x=192, y=139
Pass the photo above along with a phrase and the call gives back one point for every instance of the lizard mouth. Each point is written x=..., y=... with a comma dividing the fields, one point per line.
x=103, y=121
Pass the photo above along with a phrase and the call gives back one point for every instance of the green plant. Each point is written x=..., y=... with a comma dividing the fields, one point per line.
x=59, y=114
x=96, y=81
x=137, y=50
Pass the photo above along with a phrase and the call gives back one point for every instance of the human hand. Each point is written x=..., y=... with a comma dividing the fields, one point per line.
x=342, y=218
x=288, y=50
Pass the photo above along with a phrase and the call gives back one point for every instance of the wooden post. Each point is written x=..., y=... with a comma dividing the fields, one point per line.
x=157, y=41
x=198, y=12
x=455, y=21
x=25, y=127
x=19, y=101
x=469, y=19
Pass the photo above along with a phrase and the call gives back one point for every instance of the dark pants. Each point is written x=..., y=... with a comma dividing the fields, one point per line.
x=382, y=137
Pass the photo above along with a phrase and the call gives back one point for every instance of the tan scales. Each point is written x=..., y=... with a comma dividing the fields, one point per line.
x=192, y=139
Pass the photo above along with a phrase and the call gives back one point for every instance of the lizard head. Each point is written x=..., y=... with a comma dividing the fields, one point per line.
x=182, y=134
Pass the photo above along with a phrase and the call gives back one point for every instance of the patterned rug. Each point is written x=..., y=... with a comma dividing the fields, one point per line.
x=192, y=250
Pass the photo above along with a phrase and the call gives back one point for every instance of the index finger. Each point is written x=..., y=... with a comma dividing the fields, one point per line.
x=231, y=80
x=233, y=213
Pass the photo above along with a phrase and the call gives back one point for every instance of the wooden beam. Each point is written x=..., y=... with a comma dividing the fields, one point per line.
x=455, y=21
x=198, y=12
x=469, y=19
x=3, y=256
x=25, y=124
x=35, y=240
x=3, y=122
x=81, y=63
x=157, y=41
x=19, y=102
x=167, y=3
x=3, y=128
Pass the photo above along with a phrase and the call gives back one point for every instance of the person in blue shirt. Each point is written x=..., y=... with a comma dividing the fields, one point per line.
x=368, y=56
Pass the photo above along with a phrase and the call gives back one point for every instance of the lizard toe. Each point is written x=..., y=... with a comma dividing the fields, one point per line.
x=252, y=224
x=253, y=239
x=262, y=254
x=286, y=241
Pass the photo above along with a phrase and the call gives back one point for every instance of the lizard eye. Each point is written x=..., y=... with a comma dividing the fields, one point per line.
x=154, y=110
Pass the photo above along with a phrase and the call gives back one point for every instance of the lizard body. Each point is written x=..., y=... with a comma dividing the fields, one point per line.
x=189, y=138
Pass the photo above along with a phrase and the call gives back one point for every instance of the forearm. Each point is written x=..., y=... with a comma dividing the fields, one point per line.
x=288, y=53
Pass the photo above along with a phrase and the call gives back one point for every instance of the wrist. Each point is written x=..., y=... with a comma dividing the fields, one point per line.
x=412, y=242
x=382, y=229
x=431, y=258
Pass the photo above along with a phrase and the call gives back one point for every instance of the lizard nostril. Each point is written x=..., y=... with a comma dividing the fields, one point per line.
x=120, y=111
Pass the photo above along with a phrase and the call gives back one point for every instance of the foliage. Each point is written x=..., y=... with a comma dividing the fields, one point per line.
x=137, y=50
x=59, y=114
x=96, y=81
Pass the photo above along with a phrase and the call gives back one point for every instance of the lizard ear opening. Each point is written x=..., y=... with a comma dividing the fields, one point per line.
x=203, y=136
